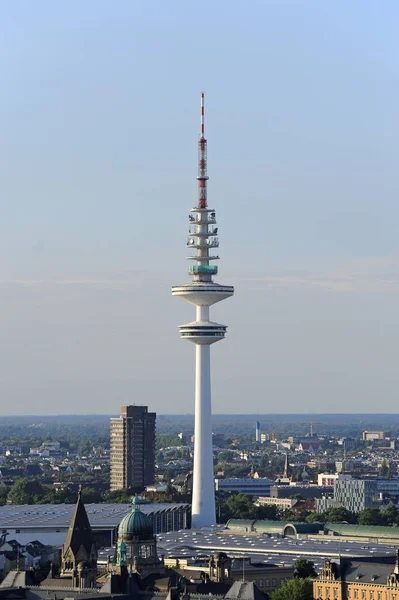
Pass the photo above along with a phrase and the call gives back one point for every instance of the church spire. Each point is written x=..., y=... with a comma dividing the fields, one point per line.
x=79, y=532
x=79, y=551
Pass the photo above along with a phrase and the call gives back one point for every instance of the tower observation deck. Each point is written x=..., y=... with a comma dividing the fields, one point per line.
x=203, y=292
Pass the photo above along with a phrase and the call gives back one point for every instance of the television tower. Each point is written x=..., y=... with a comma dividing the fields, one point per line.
x=203, y=292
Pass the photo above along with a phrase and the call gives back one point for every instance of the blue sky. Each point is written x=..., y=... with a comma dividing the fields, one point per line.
x=98, y=152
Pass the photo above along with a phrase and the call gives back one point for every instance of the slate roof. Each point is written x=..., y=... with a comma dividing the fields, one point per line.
x=244, y=590
x=366, y=569
x=79, y=532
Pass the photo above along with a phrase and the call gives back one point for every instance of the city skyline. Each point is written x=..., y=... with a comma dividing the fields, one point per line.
x=97, y=163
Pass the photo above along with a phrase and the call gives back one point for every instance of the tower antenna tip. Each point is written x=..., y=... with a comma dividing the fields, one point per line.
x=202, y=116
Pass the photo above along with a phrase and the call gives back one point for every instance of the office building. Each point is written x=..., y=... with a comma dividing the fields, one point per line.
x=356, y=494
x=132, y=444
x=203, y=292
x=257, y=487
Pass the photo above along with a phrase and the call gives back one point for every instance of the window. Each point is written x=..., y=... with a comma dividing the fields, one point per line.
x=363, y=594
x=319, y=591
x=273, y=582
x=335, y=593
x=267, y=582
x=371, y=596
x=327, y=592
x=356, y=593
x=17, y=531
x=378, y=595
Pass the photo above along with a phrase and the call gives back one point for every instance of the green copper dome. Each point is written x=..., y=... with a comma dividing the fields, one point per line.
x=135, y=524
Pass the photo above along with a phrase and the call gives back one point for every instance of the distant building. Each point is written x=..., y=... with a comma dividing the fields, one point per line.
x=309, y=492
x=310, y=447
x=282, y=503
x=217, y=439
x=376, y=435
x=257, y=432
x=356, y=494
x=330, y=478
x=182, y=437
x=324, y=504
x=256, y=487
x=132, y=444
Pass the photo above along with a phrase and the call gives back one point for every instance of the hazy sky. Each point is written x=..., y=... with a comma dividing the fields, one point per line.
x=98, y=149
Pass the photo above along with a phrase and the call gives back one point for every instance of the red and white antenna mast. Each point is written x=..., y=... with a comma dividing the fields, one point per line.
x=202, y=151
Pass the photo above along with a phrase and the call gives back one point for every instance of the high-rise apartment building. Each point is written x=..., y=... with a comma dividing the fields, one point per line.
x=257, y=432
x=132, y=448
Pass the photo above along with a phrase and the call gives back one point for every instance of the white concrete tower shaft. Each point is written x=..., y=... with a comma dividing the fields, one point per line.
x=203, y=292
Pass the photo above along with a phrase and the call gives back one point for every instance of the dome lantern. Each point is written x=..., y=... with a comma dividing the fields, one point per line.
x=135, y=525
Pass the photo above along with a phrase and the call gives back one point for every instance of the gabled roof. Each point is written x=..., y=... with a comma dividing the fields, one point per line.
x=244, y=590
x=79, y=532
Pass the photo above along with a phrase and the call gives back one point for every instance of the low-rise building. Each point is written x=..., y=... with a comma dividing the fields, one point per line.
x=376, y=435
x=281, y=503
x=360, y=578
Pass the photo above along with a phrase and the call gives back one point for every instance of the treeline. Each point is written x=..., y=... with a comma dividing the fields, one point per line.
x=28, y=490
x=241, y=506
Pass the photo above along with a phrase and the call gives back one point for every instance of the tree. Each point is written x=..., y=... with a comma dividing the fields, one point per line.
x=165, y=440
x=3, y=495
x=384, y=469
x=118, y=496
x=85, y=447
x=26, y=491
x=371, y=516
x=339, y=514
x=389, y=514
x=304, y=568
x=226, y=456
x=294, y=589
x=315, y=517
x=90, y=496
x=269, y=513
